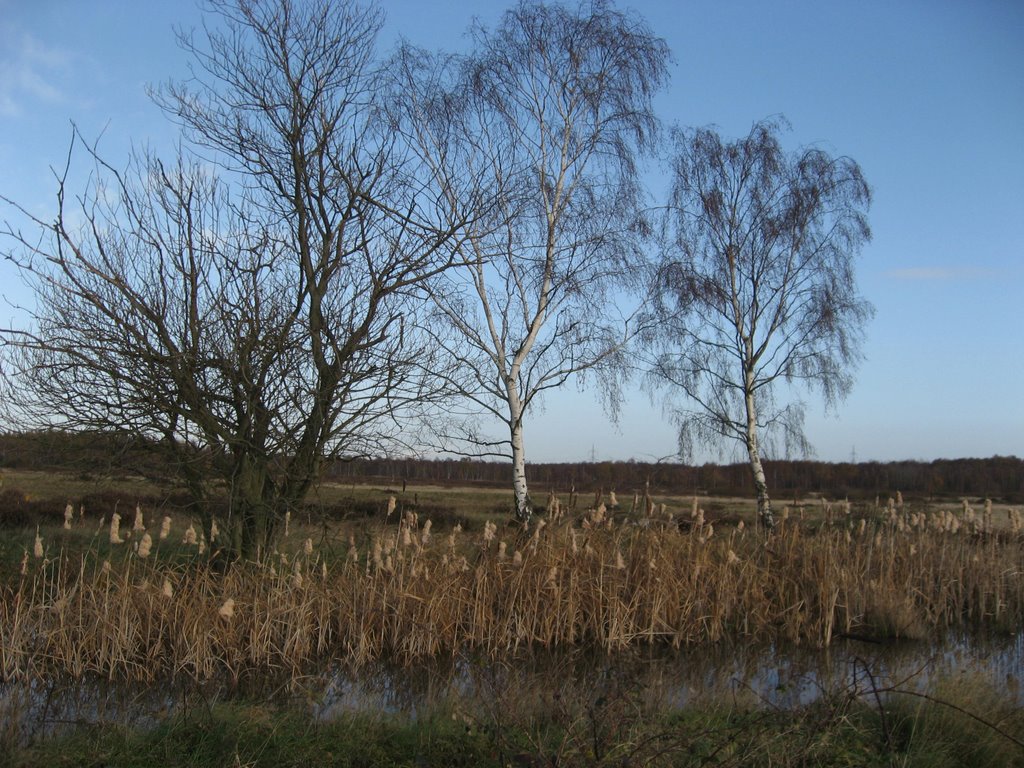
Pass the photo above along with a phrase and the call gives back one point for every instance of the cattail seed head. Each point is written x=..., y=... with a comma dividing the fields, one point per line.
x=227, y=609
x=69, y=515
x=190, y=535
x=138, y=524
x=168, y=590
x=145, y=545
x=165, y=527
x=37, y=548
x=552, y=577
x=378, y=555
x=115, y=529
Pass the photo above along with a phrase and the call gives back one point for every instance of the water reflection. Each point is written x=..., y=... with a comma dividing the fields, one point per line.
x=774, y=676
x=784, y=677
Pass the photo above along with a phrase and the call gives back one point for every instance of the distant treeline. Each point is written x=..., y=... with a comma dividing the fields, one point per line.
x=998, y=477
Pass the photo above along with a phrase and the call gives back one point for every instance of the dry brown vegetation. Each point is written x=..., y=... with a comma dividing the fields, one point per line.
x=403, y=591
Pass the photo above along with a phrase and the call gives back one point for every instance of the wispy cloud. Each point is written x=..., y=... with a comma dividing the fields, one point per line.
x=30, y=73
x=940, y=273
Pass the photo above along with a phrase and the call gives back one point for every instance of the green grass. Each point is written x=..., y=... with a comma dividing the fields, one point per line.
x=240, y=734
x=254, y=734
x=59, y=486
x=348, y=508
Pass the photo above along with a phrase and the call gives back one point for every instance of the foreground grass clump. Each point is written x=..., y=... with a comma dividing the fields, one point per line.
x=610, y=729
x=960, y=722
x=257, y=735
x=404, y=592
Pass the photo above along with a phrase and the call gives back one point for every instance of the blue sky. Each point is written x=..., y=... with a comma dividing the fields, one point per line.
x=927, y=95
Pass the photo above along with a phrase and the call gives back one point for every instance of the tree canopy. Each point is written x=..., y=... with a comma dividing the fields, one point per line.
x=251, y=302
x=755, y=288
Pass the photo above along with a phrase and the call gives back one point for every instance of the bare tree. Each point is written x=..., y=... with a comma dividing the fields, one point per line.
x=546, y=118
x=251, y=308
x=756, y=287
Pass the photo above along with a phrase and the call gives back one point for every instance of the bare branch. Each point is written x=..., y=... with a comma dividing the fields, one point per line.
x=542, y=125
x=756, y=286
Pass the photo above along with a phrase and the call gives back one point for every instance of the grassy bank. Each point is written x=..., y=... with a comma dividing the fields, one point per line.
x=971, y=727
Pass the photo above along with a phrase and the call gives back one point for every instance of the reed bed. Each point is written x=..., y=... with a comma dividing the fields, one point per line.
x=404, y=592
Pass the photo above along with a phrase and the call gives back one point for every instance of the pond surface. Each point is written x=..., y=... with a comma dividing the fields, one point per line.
x=769, y=676
x=784, y=677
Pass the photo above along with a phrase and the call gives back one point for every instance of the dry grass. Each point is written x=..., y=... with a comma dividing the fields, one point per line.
x=404, y=591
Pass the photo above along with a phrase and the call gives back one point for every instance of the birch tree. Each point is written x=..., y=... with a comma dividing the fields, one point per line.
x=755, y=289
x=249, y=307
x=546, y=117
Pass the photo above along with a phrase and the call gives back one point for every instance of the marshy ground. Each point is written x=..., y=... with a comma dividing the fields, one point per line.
x=370, y=576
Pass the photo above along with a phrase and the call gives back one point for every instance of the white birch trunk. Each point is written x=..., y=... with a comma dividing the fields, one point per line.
x=524, y=506
x=764, y=502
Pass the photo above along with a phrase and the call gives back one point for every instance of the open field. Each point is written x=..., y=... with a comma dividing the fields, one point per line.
x=473, y=504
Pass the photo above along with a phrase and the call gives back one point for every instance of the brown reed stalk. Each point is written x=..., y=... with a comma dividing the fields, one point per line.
x=406, y=596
